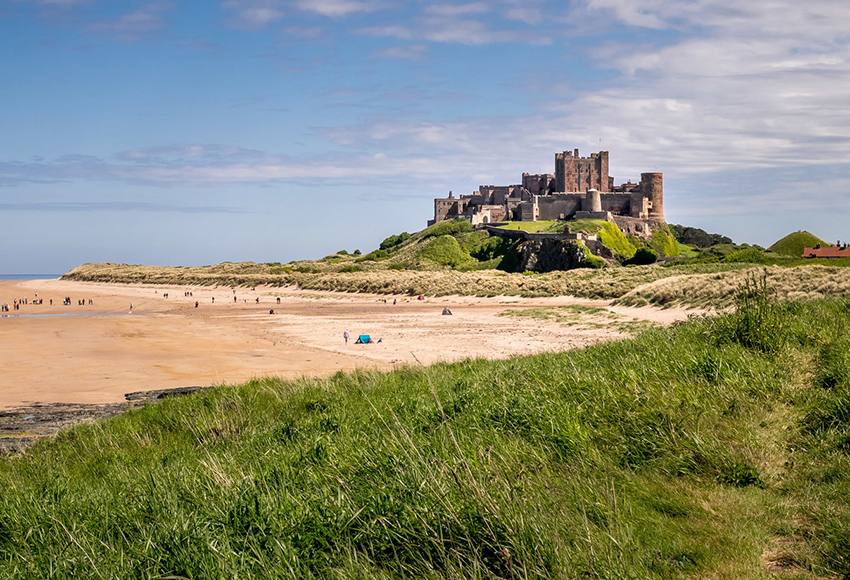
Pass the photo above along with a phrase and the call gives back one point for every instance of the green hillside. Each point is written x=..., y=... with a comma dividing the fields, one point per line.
x=794, y=243
x=711, y=449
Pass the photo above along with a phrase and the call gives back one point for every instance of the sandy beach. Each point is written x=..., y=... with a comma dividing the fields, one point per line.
x=96, y=353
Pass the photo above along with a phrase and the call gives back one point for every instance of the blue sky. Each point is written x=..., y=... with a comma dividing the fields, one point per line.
x=187, y=133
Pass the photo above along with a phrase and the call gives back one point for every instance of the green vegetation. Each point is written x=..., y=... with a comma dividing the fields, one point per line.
x=643, y=256
x=534, y=227
x=350, y=269
x=794, y=243
x=697, y=237
x=610, y=235
x=394, y=240
x=445, y=250
x=592, y=262
x=696, y=451
x=447, y=228
x=688, y=251
x=664, y=244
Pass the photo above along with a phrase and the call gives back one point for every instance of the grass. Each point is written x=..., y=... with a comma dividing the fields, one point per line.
x=683, y=453
x=794, y=243
x=534, y=227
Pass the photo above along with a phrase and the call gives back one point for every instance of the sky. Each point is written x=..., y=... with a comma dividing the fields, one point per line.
x=175, y=132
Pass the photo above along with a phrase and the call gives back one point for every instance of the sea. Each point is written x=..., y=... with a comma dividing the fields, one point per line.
x=28, y=276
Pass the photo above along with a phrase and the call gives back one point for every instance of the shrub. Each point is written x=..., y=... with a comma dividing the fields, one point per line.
x=395, y=267
x=343, y=252
x=357, y=252
x=394, y=240
x=448, y=228
x=491, y=248
x=747, y=255
x=445, y=250
x=642, y=257
x=696, y=236
x=350, y=268
x=594, y=262
x=375, y=256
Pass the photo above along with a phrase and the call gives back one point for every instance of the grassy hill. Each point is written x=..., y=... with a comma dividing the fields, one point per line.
x=794, y=243
x=716, y=448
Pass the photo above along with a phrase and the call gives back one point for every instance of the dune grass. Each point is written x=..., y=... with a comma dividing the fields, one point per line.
x=718, y=289
x=713, y=449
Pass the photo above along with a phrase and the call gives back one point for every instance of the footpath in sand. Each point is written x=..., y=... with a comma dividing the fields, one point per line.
x=95, y=354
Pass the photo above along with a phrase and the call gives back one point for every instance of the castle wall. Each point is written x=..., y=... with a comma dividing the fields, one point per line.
x=558, y=206
x=617, y=203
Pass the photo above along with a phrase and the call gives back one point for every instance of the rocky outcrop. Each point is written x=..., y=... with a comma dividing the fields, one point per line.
x=549, y=255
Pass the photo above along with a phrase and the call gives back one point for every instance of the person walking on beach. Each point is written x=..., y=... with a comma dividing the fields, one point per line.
x=345, y=335
x=131, y=306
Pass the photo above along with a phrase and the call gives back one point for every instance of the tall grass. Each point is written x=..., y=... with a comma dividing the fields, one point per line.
x=686, y=452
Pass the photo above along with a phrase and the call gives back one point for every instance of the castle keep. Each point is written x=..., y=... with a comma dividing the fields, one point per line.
x=580, y=188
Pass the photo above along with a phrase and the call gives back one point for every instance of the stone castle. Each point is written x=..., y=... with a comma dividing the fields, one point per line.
x=579, y=188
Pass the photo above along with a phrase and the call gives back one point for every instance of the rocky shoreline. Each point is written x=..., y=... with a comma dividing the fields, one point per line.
x=21, y=427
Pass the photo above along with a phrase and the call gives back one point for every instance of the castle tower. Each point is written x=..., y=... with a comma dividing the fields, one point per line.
x=578, y=174
x=651, y=188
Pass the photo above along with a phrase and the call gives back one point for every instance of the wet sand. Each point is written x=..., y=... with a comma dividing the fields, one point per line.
x=95, y=354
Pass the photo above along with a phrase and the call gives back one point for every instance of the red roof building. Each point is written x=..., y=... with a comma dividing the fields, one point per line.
x=828, y=252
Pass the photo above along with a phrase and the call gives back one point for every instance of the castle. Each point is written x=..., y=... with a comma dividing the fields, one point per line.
x=579, y=188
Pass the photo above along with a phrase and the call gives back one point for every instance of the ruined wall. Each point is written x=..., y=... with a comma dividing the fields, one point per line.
x=578, y=174
x=642, y=228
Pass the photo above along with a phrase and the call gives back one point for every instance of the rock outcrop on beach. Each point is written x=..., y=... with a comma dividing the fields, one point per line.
x=550, y=255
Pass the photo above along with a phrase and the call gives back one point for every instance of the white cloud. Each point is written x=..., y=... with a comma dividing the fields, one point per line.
x=258, y=13
x=133, y=26
x=455, y=10
x=408, y=52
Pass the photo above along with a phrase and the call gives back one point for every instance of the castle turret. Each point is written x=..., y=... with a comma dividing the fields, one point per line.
x=651, y=188
x=593, y=201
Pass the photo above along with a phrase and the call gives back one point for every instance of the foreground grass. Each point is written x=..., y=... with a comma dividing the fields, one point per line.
x=713, y=449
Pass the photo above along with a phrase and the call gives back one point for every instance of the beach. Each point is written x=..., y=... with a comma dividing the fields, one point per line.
x=96, y=353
